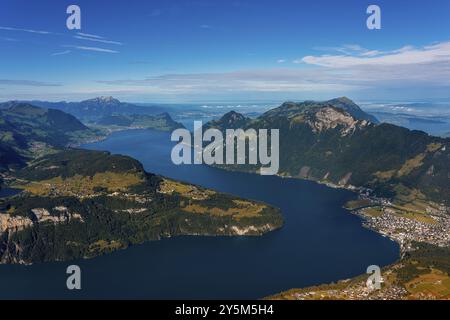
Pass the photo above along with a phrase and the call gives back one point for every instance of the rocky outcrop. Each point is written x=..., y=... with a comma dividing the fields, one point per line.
x=331, y=118
x=43, y=215
x=252, y=230
x=14, y=224
x=10, y=223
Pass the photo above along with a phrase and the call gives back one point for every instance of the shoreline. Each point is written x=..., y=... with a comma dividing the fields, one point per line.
x=364, y=194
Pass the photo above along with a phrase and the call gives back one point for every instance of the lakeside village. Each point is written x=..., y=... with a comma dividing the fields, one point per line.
x=417, y=221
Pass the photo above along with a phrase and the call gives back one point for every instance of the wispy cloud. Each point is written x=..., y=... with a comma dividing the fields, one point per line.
x=98, y=40
x=408, y=55
x=9, y=39
x=25, y=30
x=94, y=49
x=31, y=83
x=350, y=49
x=281, y=61
x=61, y=53
x=205, y=26
x=89, y=35
x=80, y=36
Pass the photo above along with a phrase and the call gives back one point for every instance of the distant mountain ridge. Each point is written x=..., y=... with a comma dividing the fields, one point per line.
x=94, y=109
x=26, y=129
x=162, y=122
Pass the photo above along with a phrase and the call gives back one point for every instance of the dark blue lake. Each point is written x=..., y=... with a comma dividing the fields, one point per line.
x=320, y=242
x=8, y=192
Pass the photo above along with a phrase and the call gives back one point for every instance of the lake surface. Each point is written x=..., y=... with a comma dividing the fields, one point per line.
x=8, y=192
x=320, y=242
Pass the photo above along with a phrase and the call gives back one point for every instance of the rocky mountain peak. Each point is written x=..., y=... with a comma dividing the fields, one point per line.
x=351, y=107
x=232, y=117
x=108, y=100
x=330, y=118
x=230, y=120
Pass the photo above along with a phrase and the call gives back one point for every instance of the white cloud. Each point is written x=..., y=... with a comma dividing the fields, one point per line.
x=9, y=39
x=437, y=53
x=349, y=49
x=371, y=53
x=279, y=80
x=61, y=53
x=25, y=30
x=30, y=83
x=98, y=40
x=95, y=49
x=79, y=36
x=281, y=61
x=89, y=35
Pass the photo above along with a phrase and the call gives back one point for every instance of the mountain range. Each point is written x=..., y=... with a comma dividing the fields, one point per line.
x=27, y=130
x=94, y=109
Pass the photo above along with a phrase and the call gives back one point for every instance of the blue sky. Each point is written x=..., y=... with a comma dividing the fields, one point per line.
x=234, y=50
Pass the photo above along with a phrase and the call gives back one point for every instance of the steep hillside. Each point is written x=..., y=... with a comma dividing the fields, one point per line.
x=27, y=131
x=325, y=143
